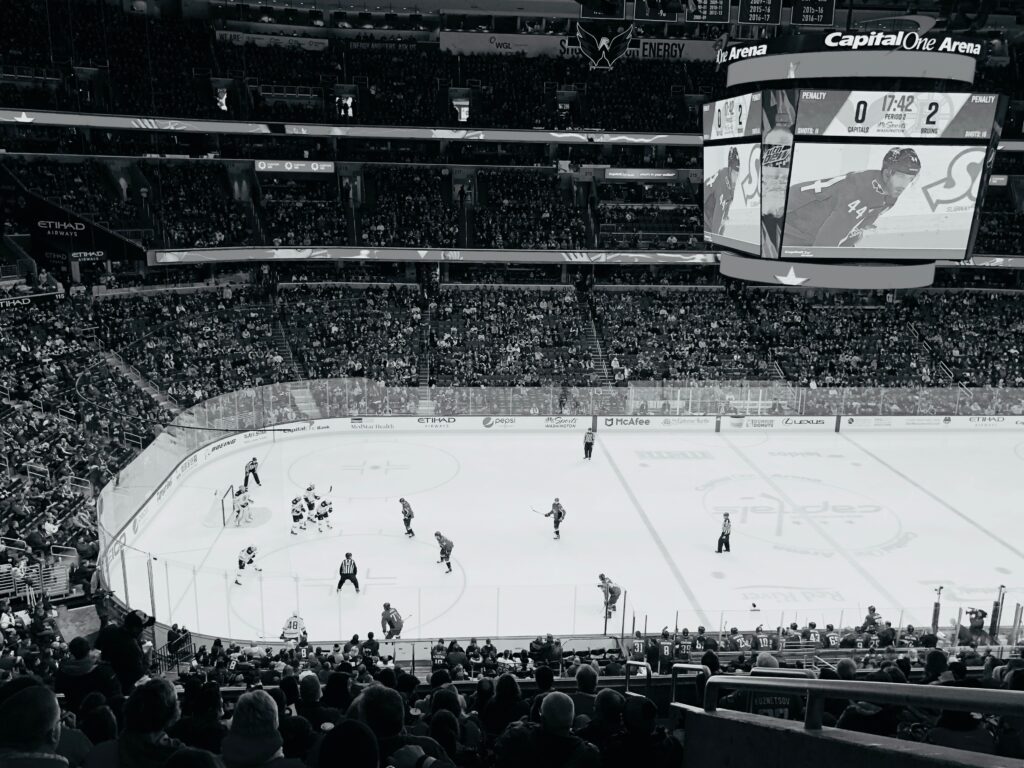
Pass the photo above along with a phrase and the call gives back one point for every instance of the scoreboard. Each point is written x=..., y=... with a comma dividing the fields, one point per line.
x=896, y=114
x=735, y=118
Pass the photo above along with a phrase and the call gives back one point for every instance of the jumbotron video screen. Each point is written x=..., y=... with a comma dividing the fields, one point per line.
x=732, y=173
x=879, y=175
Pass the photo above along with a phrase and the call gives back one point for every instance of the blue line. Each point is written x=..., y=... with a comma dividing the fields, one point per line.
x=939, y=500
x=690, y=595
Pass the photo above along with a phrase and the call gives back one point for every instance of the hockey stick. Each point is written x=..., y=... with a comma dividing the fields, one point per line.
x=537, y=511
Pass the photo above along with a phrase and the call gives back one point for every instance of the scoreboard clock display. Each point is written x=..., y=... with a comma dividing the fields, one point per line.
x=896, y=114
x=760, y=11
x=820, y=13
x=708, y=12
x=735, y=118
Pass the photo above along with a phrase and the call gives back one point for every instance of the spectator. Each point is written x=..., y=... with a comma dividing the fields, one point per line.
x=309, y=705
x=151, y=709
x=121, y=646
x=351, y=744
x=96, y=719
x=202, y=727
x=382, y=710
x=189, y=757
x=507, y=706
x=606, y=722
x=83, y=673
x=254, y=740
x=548, y=743
x=867, y=717
x=29, y=725
x=586, y=691
x=642, y=742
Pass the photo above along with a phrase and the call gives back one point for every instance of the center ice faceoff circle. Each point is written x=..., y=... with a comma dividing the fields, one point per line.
x=804, y=515
x=373, y=469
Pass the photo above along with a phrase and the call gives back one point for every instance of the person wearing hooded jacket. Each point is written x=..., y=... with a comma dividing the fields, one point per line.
x=81, y=673
x=254, y=740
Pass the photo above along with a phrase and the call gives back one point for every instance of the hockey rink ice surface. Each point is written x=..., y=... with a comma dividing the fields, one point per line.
x=823, y=526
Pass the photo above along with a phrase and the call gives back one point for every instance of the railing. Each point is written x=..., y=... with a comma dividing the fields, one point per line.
x=680, y=667
x=993, y=702
x=639, y=665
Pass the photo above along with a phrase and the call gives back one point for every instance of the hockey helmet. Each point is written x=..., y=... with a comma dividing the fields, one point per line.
x=296, y=500
x=793, y=625
x=812, y=625
x=701, y=630
x=402, y=499
x=829, y=628
x=311, y=487
x=902, y=160
x=387, y=605
x=437, y=534
x=601, y=576
x=686, y=632
x=733, y=631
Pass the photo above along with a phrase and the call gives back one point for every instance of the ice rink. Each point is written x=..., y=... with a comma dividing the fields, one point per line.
x=823, y=526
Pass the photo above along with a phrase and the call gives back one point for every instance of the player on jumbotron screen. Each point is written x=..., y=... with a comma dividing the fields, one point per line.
x=836, y=211
x=718, y=194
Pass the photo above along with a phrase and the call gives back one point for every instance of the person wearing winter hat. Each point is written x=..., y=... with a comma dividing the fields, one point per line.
x=310, y=707
x=254, y=741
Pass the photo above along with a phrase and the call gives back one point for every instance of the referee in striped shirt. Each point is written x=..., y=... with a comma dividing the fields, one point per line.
x=347, y=572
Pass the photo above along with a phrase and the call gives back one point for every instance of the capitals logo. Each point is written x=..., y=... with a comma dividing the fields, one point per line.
x=603, y=52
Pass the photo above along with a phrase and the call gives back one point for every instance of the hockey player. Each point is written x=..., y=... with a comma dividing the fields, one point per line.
x=294, y=628
x=446, y=550
x=323, y=515
x=243, y=506
x=832, y=638
x=246, y=557
x=391, y=622
x=250, y=471
x=684, y=645
x=611, y=594
x=407, y=516
x=298, y=516
x=588, y=443
x=836, y=211
x=558, y=513
x=718, y=193
x=311, y=497
x=666, y=652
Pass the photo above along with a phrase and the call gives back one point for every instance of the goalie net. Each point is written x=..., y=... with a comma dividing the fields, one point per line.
x=227, y=506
